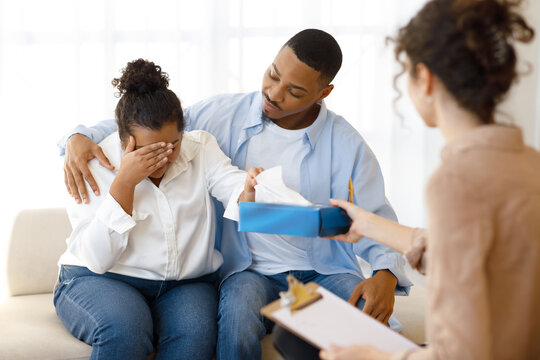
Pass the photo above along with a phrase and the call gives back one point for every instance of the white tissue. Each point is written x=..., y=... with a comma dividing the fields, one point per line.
x=270, y=188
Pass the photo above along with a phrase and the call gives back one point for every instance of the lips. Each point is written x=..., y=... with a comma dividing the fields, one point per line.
x=269, y=107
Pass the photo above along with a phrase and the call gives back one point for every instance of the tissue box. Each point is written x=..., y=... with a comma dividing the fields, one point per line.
x=310, y=221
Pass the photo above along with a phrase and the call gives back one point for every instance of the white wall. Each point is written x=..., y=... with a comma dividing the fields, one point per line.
x=523, y=102
x=57, y=58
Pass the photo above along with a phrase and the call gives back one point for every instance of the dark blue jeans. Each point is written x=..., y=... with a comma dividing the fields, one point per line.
x=124, y=317
x=241, y=296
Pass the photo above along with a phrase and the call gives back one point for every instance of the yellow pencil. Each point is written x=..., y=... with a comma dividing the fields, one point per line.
x=351, y=191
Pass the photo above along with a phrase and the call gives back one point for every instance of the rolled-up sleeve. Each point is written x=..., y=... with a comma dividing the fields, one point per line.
x=381, y=257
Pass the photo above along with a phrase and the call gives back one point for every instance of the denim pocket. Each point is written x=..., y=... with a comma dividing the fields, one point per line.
x=68, y=273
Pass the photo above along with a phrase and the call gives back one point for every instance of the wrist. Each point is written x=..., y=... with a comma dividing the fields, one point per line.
x=246, y=196
x=387, y=275
x=76, y=137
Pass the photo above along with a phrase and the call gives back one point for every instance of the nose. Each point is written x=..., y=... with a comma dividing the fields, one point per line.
x=275, y=93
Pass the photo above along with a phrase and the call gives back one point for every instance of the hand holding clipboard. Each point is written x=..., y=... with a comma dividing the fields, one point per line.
x=330, y=320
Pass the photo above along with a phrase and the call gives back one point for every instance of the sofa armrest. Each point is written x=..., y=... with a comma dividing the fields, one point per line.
x=38, y=238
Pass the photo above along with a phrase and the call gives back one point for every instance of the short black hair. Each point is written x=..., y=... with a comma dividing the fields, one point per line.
x=318, y=50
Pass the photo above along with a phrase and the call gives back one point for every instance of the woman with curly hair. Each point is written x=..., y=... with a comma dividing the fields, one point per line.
x=140, y=266
x=481, y=251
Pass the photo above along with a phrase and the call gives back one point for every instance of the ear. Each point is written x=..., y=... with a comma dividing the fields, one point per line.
x=325, y=92
x=128, y=143
x=123, y=143
x=424, y=78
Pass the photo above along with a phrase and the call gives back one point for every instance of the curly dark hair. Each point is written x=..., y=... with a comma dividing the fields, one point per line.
x=468, y=45
x=145, y=99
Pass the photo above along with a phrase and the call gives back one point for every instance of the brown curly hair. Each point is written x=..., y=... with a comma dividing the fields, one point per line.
x=145, y=99
x=468, y=45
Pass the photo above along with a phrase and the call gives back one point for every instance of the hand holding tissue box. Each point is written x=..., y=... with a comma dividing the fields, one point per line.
x=280, y=210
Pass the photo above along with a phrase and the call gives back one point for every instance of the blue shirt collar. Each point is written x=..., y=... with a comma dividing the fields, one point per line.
x=255, y=116
x=314, y=132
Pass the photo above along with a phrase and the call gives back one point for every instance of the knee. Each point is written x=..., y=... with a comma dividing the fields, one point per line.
x=129, y=330
x=204, y=328
x=240, y=300
x=188, y=340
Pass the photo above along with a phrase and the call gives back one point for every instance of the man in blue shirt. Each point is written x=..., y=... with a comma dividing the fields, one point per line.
x=286, y=123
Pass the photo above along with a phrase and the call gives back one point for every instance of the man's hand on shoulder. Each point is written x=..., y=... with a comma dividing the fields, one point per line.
x=378, y=292
x=79, y=151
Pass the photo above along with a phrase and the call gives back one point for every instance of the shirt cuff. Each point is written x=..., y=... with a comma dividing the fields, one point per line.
x=232, y=211
x=113, y=216
x=80, y=129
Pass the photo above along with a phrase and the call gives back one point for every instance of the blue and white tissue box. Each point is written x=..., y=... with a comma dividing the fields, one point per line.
x=308, y=221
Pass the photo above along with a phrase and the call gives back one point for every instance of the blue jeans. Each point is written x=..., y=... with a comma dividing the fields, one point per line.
x=122, y=317
x=241, y=326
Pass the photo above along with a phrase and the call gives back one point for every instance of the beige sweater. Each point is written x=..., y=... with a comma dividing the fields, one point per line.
x=482, y=250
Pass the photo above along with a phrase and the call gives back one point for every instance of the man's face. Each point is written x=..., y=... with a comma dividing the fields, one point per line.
x=290, y=87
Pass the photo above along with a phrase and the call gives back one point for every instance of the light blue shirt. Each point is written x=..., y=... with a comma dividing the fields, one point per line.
x=272, y=254
x=335, y=152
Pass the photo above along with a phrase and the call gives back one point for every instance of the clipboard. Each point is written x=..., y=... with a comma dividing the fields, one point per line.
x=331, y=320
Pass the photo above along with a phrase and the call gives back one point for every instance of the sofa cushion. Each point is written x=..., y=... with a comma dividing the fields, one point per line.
x=411, y=312
x=31, y=330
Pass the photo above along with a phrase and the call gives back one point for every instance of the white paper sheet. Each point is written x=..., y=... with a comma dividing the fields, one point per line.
x=334, y=321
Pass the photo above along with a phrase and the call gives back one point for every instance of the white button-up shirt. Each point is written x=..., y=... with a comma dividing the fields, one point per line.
x=170, y=234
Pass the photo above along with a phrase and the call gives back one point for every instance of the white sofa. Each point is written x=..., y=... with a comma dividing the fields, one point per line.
x=30, y=328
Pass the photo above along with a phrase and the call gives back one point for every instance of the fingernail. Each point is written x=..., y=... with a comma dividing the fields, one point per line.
x=96, y=192
x=78, y=201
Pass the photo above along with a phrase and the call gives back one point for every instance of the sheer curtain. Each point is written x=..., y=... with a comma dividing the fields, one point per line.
x=57, y=59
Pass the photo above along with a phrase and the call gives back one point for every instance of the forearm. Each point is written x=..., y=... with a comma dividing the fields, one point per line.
x=388, y=232
x=123, y=192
